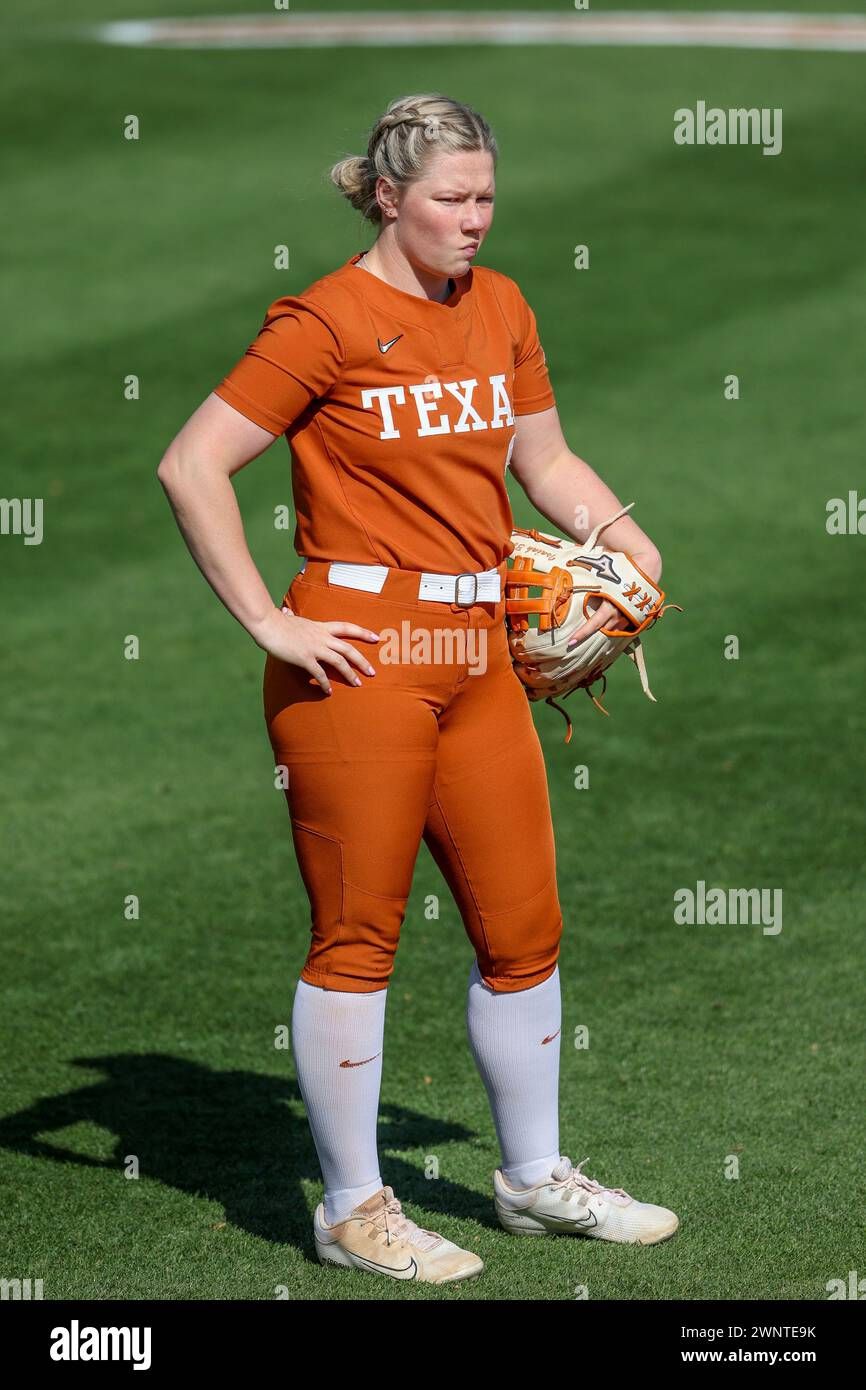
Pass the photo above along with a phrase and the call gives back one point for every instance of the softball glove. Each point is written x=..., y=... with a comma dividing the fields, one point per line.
x=569, y=574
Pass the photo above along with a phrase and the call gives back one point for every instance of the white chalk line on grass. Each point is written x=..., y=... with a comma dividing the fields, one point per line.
x=619, y=28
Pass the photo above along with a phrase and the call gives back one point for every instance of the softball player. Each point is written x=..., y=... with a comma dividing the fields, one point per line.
x=407, y=381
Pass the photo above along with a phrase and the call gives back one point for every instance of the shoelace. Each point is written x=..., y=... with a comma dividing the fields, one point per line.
x=572, y=1177
x=401, y=1228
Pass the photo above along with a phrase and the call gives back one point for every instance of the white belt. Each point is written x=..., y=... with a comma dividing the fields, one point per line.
x=465, y=588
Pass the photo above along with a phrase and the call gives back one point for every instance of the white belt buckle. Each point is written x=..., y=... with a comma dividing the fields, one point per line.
x=465, y=574
x=433, y=587
x=445, y=588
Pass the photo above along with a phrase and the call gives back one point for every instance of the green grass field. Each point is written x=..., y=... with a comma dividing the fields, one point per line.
x=155, y=1037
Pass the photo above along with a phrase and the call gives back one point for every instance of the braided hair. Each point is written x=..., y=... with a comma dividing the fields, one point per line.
x=401, y=143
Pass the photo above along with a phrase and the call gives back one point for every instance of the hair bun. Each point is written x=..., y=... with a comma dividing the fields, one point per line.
x=403, y=158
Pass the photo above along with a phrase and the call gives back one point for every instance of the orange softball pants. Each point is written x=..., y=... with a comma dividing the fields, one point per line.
x=439, y=744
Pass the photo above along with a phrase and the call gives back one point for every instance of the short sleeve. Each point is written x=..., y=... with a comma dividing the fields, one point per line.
x=532, y=389
x=296, y=358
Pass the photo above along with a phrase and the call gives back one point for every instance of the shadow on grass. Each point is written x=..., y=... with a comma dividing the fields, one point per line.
x=237, y=1138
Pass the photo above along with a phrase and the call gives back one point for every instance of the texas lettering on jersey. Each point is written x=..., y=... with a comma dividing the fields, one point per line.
x=429, y=420
x=399, y=412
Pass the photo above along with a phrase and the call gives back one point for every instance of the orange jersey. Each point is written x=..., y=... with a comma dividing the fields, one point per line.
x=399, y=412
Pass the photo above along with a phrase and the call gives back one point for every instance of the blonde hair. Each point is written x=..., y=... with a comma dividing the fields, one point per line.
x=403, y=140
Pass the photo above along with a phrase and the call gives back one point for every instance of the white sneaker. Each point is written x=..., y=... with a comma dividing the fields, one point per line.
x=377, y=1237
x=572, y=1203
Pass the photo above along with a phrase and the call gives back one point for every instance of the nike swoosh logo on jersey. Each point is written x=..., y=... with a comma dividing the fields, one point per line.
x=552, y=1036
x=383, y=347
x=364, y=1060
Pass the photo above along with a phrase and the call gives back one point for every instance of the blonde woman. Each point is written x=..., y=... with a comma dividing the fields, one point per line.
x=407, y=381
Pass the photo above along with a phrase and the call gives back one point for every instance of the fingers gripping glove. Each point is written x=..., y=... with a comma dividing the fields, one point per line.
x=570, y=575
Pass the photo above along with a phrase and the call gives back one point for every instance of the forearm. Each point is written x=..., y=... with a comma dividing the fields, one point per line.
x=575, y=499
x=206, y=510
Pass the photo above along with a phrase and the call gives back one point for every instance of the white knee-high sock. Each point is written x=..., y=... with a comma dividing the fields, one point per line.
x=515, y=1040
x=337, y=1039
